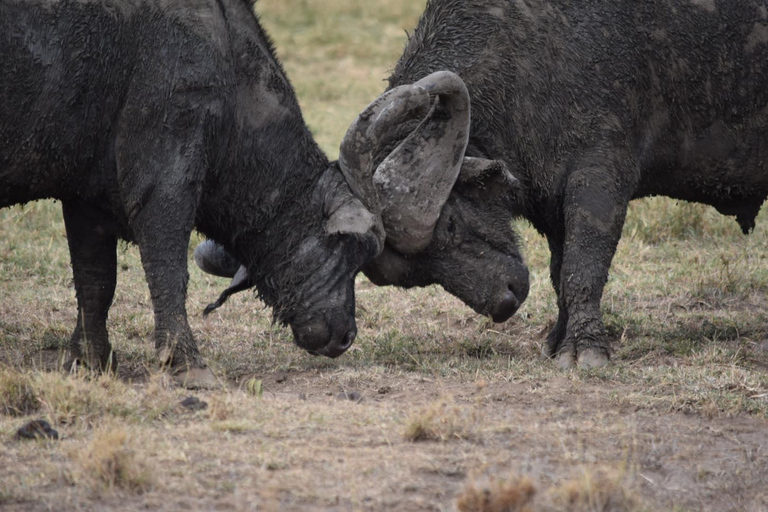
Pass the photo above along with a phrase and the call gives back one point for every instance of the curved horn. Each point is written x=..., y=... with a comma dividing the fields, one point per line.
x=410, y=186
x=367, y=134
x=415, y=180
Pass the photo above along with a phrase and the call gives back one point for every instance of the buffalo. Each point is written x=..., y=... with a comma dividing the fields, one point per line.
x=594, y=103
x=148, y=119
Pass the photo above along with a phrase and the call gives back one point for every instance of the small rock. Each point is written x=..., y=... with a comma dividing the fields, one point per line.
x=194, y=404
x=350, y=395
x=37, y=429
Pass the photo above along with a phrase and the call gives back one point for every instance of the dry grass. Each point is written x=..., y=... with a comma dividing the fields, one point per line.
x=511, y=495
x=444, y=421
x=17, y=396
x=596, y=490
x=680, y=419
x=112, y=460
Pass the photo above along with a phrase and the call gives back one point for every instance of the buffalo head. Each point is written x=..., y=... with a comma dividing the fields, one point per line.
x=473, y=253
x=450, y=227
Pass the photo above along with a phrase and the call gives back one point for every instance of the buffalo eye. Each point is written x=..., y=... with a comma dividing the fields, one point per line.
x=451, y=226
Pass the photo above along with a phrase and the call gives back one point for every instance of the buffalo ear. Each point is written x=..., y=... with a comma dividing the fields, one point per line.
x=351, y=217
x=214, y=259
x=240, y=282
x=481, y=170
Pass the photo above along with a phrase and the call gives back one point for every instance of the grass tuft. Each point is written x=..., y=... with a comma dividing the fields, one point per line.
x=443, y=421
x=512, y=495
x=17, y=394
x=111, y=461
x=595, y=490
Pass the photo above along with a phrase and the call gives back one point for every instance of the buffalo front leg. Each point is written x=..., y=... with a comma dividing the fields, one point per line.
x=594, y=209
x=160, y=180
x=92, y=249
x=163, y=238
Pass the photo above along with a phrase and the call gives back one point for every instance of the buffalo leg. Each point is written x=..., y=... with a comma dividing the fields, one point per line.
x=163, y=235
x=92, y=248
x=557, y=334
x=594, y=209
x=160, y=188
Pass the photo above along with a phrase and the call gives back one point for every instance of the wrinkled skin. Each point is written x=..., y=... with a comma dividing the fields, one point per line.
x=594, y=103
x=149, y=120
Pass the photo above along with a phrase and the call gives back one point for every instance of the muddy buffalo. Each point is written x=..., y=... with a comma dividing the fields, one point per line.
x=594, y=103
x=147, y=119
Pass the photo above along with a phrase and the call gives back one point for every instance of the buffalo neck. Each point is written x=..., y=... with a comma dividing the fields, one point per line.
x=261, y=203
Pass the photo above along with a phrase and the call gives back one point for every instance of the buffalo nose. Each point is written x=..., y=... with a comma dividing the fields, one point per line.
x=336, y=348
x=349, y=338
x=506, y=307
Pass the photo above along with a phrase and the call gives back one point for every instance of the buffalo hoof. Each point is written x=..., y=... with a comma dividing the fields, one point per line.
x=75, y=365
x=566, y=360
x=196, y=378
x=592, y=358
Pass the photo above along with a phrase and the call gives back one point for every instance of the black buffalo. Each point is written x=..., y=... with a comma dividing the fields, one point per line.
x=454, y=232
x=591, y=104
x=147, y=119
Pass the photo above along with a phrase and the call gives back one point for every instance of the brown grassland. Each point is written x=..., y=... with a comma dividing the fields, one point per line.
x=435, y=407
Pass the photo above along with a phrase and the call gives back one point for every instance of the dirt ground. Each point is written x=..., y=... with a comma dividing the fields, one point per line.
x=434, y=408
x=299, y=447
x=373, y=432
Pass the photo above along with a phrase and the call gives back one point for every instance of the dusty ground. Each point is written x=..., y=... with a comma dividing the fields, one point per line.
x=435, y=406
x=303, y=446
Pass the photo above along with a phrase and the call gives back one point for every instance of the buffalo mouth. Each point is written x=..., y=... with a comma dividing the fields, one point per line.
x=506, y=307
x=508, y=301
x=320, y=336
x=334, y=350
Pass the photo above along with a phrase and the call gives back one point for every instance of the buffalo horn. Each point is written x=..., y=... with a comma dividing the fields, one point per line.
x=414, y=181
x=367, y=134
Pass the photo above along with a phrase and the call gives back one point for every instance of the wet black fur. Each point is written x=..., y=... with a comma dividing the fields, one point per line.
x=597, y=102
x=149, y=118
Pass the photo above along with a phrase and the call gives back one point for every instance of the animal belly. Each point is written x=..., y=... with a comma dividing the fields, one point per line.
x=724, y=166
